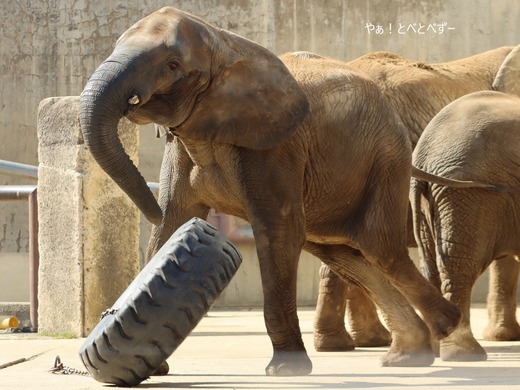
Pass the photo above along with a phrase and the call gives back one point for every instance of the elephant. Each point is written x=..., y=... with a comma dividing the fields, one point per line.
x=304, y=148
x=461, y=231
x=417, y=91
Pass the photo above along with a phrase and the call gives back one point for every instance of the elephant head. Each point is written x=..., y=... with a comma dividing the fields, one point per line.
x=203, y=83
x=507, y=79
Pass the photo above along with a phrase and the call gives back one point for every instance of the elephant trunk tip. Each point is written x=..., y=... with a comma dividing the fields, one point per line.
x=155, y=216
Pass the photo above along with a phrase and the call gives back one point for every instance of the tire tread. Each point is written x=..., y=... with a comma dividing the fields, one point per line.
x=161, y=306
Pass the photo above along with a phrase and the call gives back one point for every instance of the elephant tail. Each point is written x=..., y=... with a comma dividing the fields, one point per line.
x=424, y=233
x=455, y=183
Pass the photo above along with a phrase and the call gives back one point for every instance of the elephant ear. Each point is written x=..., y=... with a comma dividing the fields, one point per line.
x=507, y=79
x=255, y=102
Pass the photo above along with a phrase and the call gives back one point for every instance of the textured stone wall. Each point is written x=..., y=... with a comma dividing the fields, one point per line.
x=88, y=226
x=50, y=47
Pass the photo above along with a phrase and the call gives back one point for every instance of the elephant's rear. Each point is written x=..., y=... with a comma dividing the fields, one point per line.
x=474, y=138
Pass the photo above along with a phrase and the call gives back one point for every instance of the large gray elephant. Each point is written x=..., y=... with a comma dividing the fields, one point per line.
x=304, y=148
x=461, y=231
x=418, y=91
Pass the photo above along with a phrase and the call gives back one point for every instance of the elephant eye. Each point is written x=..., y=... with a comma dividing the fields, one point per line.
x=173, y=65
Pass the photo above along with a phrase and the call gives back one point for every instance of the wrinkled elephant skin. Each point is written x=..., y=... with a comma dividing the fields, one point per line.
x=305, y=148
x=461, y=231
x=418, y=91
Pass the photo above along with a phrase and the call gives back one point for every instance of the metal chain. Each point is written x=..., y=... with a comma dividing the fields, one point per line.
x=108, y=312
x=59, y=368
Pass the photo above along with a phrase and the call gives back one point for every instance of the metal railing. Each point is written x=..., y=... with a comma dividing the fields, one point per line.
x=19, y=170
x=226, y=224
x=29, y=193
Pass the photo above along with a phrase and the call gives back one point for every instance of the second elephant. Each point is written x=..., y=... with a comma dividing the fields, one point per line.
x=417, y=91
x=461, y=231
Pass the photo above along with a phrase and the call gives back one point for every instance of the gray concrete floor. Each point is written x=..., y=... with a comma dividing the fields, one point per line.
x=229, y=350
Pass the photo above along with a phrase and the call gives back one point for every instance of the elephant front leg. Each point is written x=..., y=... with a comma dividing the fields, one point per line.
x=501, y=301
x=178, y=200
x=278, y=250
x=174, y=217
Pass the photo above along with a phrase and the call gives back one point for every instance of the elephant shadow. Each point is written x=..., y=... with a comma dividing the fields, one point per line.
x=458, y=376
x=493, y=373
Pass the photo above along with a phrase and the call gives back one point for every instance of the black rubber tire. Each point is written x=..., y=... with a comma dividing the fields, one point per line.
x=161, y=306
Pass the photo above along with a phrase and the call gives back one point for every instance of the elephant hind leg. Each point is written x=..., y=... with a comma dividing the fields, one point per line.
x=410, y=336
x=461, y=345
x=390, y=254
x=330, y=334
x=337, y=297
x=501, y=301
x=365, y=327
x=441, y=316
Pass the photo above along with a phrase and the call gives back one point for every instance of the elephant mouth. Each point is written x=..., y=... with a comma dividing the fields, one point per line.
x=172, y=107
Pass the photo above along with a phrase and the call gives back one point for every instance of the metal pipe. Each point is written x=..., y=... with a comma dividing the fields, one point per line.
x=22, y=192
x=31, y=172
x=16, y=192
x=34, y=259
x=154, y=187
x=17, y=169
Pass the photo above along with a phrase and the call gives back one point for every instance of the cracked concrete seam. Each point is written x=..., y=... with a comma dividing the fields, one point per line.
x=21, y=360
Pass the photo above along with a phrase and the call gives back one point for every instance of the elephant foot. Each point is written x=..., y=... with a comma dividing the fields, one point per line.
x=504, y=332
x=445, y=320
x=410, y=348
x=378, y=337
x=338, y=341
x=418, y=357
x=436, y=346
x=461, y=346
x=289, y=364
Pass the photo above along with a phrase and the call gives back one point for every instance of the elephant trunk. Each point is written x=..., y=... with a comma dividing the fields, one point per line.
x=104, y=101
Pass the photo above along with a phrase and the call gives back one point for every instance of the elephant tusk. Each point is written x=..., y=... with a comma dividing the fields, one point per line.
x=134, y=100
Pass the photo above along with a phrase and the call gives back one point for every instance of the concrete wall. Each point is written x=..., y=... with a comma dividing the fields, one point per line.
x=50, y=47
x=88, y=227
